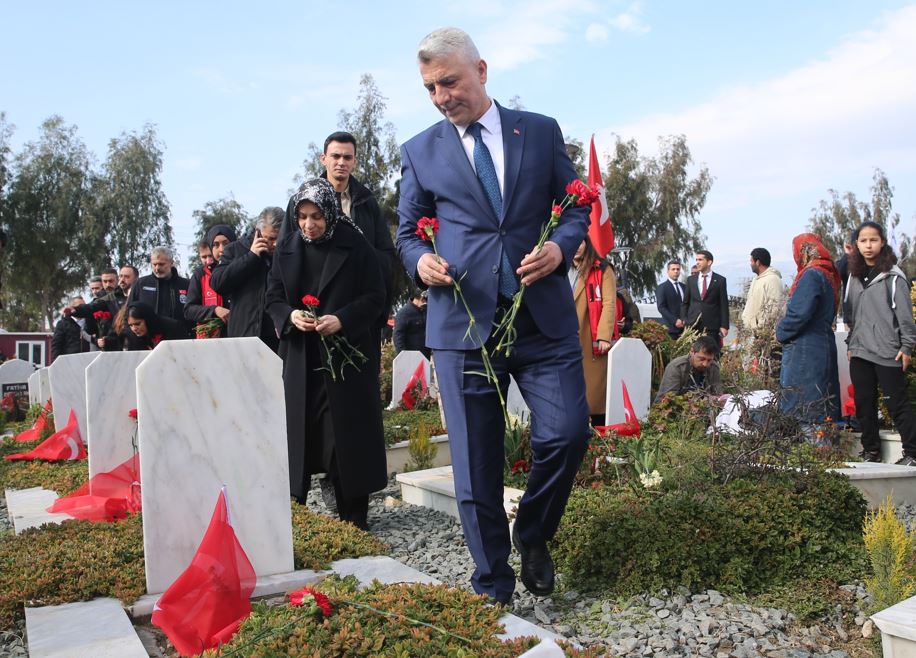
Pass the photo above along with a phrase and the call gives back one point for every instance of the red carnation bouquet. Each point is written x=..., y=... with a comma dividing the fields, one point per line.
x=336, y=347
x=577, y=193
x=102, y=316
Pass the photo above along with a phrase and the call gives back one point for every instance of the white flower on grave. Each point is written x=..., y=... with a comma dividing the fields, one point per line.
x=650, y=480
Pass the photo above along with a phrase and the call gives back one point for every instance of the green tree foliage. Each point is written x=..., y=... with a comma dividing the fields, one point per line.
x=834, y=219
x=44, y=212
x=129, y=212
x=222, y=211
x=654, y=206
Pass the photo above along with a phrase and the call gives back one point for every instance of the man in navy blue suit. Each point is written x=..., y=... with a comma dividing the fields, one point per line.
x=491, y=176
x=668, y=299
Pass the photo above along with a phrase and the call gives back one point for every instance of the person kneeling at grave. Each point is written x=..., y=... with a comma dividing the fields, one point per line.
x=696, y=371
x=145, y=329
x=324, y=292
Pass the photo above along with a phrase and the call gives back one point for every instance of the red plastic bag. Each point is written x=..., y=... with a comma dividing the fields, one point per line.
x=204, y=607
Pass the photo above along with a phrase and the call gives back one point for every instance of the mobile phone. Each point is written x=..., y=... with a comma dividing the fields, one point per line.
x=257, y=233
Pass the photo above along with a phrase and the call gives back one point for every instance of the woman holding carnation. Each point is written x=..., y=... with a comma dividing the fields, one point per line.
x=324, y=291
x=595, y=293
x=881, y=339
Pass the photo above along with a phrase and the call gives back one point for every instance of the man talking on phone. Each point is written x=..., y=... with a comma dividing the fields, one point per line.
x=241, y=276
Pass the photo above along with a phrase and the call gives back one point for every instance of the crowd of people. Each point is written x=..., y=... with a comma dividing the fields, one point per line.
x=314, y=283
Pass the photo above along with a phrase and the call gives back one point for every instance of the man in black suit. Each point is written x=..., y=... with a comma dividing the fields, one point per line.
x=706, y=302
x=668, y=299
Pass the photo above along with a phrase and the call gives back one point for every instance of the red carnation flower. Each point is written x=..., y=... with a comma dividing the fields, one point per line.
x=427, y=227
x=307, y=595
x=585, y=196
x=310, y=300
x=557, y=210
x=520, y=466
x=132, y=413
x=155, y=340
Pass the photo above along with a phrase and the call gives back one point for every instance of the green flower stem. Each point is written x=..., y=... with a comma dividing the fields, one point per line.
x=488, y=372
x=505, y=329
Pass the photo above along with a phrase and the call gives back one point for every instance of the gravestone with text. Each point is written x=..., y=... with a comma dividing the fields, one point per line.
x=68, y=389
x=212, y=413
x=628, y=361
x=402, y=369
x=111, y=393
x=14, y=384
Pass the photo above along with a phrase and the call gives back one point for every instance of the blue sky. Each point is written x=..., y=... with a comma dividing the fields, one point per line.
x=781, y=100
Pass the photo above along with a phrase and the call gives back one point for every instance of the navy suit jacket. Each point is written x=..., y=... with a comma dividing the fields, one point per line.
x=437, y=180
x=668, y=303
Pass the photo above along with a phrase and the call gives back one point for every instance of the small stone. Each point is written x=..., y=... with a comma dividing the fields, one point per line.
x=391, y=501
x=714, y=597
x=663, y=613
x=571, y=595
x=627, y=644
x=868, y=629
x=708, y=625
x=860, y=620
x=541, y=615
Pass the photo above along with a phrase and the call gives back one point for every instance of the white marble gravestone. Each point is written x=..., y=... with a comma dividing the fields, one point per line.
x=14, y=377
x=111, y=392
x=842, y=364
x=68, y=389
x=212, y=413
x=515, y=403
x=628, y=361
x=44, y=386
x=33, y=388
x=402, y=369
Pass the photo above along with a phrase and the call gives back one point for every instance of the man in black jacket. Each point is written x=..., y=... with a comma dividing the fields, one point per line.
x=70, y=334
x=241, y=277
x=163, y=290
x=103, y=310
x=706, y=300
x=410, y=325
x=359, y=204
x=668, y=299
x=204, y=303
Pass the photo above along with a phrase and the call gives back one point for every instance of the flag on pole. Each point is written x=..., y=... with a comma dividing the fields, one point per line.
x=600, y=229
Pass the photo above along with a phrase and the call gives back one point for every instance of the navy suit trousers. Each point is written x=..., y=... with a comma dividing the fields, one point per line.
x=550, y=377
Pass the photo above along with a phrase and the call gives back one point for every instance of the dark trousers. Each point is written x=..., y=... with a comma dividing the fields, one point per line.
x=549, y=375
x=865, y=377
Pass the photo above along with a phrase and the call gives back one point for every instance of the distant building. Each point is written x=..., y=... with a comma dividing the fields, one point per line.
x=27, y=345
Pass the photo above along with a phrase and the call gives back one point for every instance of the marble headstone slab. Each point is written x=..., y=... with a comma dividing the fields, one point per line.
x=14, y=377
x=33, y=388
x=44, y=386
x=111, y=392
x=212, y=413
x=68, y=389
x=515, y=403
x=402, y=369
x=842, y=364
x=628, y=361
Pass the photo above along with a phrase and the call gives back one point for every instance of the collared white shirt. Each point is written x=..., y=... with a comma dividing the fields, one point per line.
x=677, y=288
x=708, y=276
x=492, y=134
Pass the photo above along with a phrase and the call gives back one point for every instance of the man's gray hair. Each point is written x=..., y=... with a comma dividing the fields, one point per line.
x=444, y=42
x=271, y=216
x=162, y=251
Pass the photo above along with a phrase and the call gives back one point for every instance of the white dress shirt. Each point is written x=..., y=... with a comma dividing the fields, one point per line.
x=492, y=134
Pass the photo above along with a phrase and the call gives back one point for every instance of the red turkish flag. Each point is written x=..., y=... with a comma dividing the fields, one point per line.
x=600, y=229
x=34, y=432
x=204, y=607
x=65, y=444
x=419, y=375
x=106, y=496
x=630, y=426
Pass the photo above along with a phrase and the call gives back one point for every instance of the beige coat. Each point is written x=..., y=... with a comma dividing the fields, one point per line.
x=596, y=367
x=766, y=300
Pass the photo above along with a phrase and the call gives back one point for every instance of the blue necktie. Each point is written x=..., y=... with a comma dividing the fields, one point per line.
x=486, y=173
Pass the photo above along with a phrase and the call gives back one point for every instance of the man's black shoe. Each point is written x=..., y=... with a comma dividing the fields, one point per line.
x=537, y=567
x=870, y=456
x=908, y=460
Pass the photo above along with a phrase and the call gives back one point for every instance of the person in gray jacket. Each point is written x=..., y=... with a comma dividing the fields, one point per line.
x=881, y=339
x=696, y=371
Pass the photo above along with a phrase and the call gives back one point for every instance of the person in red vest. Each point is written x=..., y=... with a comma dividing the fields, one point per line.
x=204, y=303
x=594, y=288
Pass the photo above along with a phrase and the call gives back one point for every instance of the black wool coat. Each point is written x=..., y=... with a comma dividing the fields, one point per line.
x=351, y=288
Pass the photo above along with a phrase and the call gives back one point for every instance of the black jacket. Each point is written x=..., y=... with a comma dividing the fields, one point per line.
x=241, y=278
x=367, y=215
x=709, y=314
x=195, y=311
x=668, y=303
x=410, y=329
x=166, y=296
x=67, y=338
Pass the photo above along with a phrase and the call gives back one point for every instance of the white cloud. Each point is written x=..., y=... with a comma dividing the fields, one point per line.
x=850, y=110
x=630, y=21
x=596, y=32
